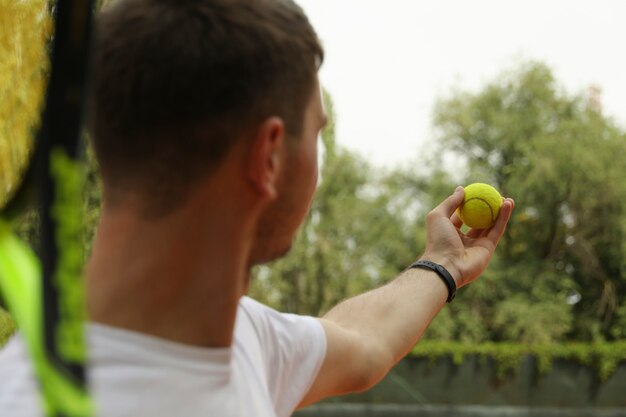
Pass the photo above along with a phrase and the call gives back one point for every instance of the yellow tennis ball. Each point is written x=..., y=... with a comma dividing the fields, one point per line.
x=481, y=206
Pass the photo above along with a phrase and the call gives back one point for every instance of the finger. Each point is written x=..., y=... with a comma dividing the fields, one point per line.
x=447, y=207
x=475, y=233
x=456, y=220
x=478, y=233
x=496, y=232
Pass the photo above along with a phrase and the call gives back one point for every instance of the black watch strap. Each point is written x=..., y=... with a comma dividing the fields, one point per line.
x=442, y=272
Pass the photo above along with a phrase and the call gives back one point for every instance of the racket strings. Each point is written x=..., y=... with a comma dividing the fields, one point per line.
x=25, y=32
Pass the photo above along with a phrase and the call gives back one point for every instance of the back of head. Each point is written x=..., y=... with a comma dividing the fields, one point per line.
x=177, y=82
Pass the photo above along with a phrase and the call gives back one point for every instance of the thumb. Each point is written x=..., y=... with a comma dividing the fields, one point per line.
x=447, y=207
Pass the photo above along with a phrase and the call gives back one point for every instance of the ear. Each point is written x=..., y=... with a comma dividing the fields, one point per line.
x=265, y=157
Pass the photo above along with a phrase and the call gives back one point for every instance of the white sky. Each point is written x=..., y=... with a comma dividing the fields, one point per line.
x=387, y=61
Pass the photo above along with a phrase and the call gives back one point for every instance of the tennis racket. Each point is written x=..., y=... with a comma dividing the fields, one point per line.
x=45, y=294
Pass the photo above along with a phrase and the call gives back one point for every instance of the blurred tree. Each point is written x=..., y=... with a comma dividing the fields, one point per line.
x=561, y=266
x=559, y=269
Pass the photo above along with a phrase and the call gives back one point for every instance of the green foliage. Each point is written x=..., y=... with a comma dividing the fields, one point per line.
x=7, y=327
x=542, y=322
x=602, y=356
x=92, y=199
x=559, y=157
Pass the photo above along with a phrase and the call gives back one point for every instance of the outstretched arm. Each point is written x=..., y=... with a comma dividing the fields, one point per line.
x=368, y=334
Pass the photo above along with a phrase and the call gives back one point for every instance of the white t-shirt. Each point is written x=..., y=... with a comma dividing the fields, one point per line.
x=271, y=365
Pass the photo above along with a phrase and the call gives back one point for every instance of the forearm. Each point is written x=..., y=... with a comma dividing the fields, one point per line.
x=368, y=334
x=392, y=318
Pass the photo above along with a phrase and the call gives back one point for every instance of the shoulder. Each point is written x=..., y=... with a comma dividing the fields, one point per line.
x=269, y=323
x=291, y=348
x=251, y=306
x=282, y=337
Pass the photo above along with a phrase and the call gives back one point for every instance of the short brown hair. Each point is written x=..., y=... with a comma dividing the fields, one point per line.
x=175, y=82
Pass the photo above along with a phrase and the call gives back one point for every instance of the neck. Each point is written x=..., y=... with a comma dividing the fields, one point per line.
x=179, y=277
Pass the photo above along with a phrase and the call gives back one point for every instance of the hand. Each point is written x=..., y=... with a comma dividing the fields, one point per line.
x=465, y=255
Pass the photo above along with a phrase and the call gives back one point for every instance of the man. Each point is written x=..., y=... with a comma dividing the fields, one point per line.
x=205, y=121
